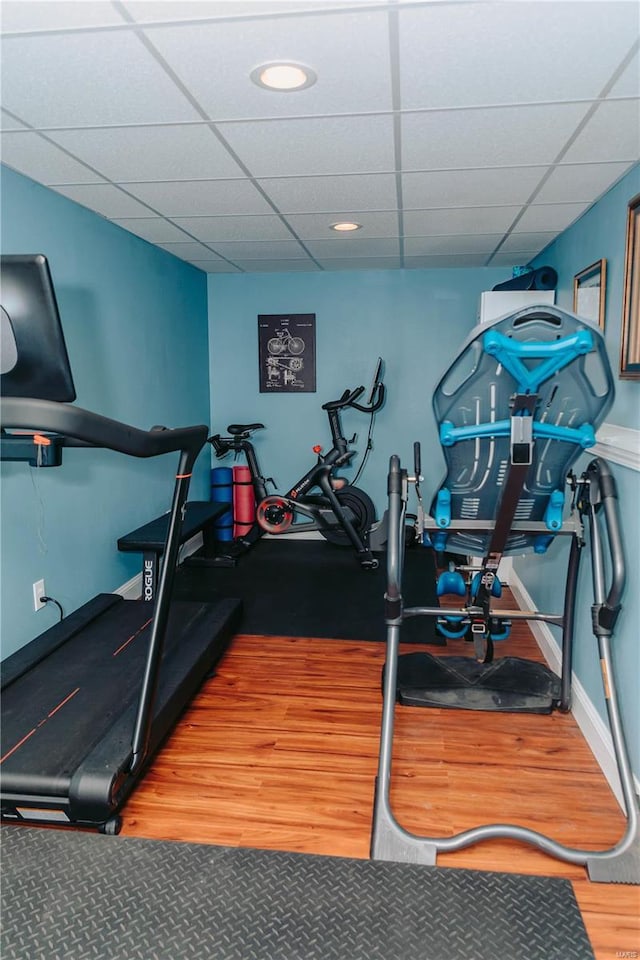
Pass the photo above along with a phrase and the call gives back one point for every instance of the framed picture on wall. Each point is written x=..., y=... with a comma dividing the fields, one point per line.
x=630, y=347
x=589, y=287
x=287, y=352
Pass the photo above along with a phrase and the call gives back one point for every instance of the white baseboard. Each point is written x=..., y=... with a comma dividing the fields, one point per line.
x=132, y=589
x=594, y=729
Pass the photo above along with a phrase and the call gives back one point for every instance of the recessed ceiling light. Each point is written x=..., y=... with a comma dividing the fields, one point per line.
x=283, y=76
x=346, y=226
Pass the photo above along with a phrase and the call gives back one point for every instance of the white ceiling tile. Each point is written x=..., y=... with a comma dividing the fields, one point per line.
x=493, y=53
x=376, y=191
x=575, y=182
x=612, y=133
x=18, y=16
x=517, y=242
x=465, y=220
x=151, y=11
x=88, y=78
x=429, y=246
x=518, y=258
x=215, y=61
x=445, y=261
x=463, y=188
x=502, y=136
x=278, y=266
x=104, y=199
x=153, y=229
x=260, y=250
x=214, y=229
x=189, y=251
x=317, y=226
x=34, y=156
x=628, y=84
x=471, y=172
x=8, y=123
x=356, y=263
x=547, y=217
x=201, y=198
x=337, y=247
x=182, y=152
x=317, y=146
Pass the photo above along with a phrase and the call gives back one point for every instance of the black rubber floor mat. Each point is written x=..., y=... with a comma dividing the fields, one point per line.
x=310, y=588
x=81, y=896
x=509, y=684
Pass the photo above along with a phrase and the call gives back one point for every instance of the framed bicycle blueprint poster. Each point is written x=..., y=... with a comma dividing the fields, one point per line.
x=287, y=352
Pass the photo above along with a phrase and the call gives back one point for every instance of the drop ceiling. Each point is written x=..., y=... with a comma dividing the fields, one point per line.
x=455, y=133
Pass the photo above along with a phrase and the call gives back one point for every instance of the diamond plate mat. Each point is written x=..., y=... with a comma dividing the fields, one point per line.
x=81, y=896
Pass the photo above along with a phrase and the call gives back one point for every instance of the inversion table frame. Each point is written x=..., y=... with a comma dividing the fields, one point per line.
x=595, y=497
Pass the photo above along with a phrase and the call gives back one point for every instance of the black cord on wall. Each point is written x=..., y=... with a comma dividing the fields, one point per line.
x=52, y=600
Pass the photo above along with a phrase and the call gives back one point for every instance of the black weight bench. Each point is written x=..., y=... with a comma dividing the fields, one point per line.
x=149, y=540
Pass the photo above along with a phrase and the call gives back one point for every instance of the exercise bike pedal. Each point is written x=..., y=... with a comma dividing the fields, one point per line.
x=222, y=560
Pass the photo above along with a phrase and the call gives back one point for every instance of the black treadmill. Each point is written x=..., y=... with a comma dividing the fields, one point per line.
x=85, y=705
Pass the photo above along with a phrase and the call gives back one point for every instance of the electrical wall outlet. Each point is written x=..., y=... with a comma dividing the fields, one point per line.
x=38, y=594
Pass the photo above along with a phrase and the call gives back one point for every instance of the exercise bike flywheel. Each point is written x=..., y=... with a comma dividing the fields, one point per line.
x=274, y=515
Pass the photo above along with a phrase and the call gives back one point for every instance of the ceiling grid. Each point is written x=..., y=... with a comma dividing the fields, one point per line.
x=454, y=133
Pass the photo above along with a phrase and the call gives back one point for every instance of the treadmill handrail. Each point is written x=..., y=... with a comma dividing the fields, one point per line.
x=97, y=431
x=75, y=422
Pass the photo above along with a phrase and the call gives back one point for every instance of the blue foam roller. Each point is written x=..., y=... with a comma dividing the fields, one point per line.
x=222, y=492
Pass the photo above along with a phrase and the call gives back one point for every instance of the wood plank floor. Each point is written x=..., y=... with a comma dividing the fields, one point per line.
x=279, y=751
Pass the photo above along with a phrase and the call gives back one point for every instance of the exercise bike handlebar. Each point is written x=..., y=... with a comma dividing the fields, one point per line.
x=223, y=445
x=346, y=400
x=240, y=433
x=349, y=397
x=374, y=406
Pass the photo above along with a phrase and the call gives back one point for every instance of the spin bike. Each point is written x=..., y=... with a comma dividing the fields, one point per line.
x=341, y=513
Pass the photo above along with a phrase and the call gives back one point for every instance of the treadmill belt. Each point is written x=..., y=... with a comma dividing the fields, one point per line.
x=52, y=718
x=85, y=897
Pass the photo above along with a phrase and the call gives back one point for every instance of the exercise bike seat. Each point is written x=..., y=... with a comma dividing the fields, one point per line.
x=539, y=352
x=236, y=428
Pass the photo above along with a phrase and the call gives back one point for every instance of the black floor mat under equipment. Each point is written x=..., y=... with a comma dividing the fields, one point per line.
x=310, y=588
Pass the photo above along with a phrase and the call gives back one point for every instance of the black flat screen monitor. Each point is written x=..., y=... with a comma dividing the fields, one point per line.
x=33, y=355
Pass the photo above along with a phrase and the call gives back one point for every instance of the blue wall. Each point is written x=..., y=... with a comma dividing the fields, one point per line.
x=601, y=233
x=414, y=319
x=135, y=321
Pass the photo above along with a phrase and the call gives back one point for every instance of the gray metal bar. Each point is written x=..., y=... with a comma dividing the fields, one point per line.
x=610, y=505
x=555, y=619
x=390, y=841
x=623, y=861
x=568, y=528
x=144, y=714
x=568, y=625
x=396, y=489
